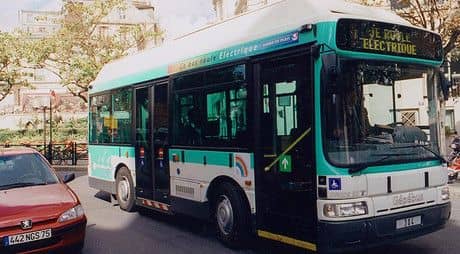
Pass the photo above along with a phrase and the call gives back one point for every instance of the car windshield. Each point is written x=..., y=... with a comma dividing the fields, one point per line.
x=21, y=170
x=380, y=113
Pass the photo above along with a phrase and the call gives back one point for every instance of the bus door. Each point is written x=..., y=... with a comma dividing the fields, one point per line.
x=160, y=142
x=152, y=165
x=285, y=176
x=144, y=177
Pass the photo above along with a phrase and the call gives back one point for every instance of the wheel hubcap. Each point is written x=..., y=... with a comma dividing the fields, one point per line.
x=123, y=189
x=224, y=215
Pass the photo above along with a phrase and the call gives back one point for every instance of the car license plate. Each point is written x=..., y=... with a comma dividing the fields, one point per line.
x=408, y=222
x=27, y=237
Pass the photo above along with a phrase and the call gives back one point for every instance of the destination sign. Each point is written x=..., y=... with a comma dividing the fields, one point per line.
x=389, y=39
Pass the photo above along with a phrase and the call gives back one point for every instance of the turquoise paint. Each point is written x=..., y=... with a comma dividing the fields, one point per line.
x=100, y=164
x=213, y=158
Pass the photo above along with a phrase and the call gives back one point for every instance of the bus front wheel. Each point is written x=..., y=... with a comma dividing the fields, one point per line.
x=231, y=215
x=125, y=190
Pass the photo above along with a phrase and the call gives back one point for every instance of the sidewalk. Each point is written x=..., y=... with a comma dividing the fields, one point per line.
x=70, y=167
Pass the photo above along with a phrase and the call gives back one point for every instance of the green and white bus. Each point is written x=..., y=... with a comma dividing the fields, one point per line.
x=287, y=122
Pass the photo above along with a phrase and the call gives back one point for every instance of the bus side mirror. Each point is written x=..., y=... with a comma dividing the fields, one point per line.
x=445, y=84
x=330, y=72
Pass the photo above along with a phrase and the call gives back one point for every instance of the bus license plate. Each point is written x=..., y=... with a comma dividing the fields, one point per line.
x=408, y=222
x=28, y=237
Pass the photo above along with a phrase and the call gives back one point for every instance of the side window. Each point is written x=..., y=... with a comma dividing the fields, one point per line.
x=100, y=115
x=188, y=126
x=238, y=114
x=216, y=117
x=121, y=117
x=110, y=118
x=160, y=125
x=142, y=116
x=226, y=121
x=213, y=114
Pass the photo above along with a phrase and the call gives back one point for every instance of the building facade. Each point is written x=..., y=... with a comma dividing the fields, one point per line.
x=25, y=105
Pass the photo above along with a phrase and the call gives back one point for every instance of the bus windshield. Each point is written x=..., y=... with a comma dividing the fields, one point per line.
x=380, y=113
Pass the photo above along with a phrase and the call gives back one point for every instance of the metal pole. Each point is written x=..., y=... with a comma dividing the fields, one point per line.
x=44, y=133
x=394, y=102
x=51, y=131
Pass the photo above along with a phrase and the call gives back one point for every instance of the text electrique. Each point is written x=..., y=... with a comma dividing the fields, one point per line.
x=389, y=41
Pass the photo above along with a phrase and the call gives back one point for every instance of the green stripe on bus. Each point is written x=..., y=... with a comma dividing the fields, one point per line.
x=212, y=157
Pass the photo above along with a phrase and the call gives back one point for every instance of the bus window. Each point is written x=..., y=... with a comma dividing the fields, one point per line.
x=217, y=119
x=226, y=117
x=238, y=114
x=100, y=115
x=160, y=124
x=121, y=117
x=188, y=129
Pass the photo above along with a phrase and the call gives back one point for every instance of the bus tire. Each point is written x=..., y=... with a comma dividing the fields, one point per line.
x=125, y=190
x=231, y=215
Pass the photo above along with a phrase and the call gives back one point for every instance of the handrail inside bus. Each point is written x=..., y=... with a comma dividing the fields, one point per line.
x=289, y=148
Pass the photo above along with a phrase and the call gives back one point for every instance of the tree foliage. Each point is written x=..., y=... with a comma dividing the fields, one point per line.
x=442, y=17
x=80, y=48
x=10, y=64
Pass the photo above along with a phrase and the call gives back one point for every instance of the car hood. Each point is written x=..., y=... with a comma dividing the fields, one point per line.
x=36, y=203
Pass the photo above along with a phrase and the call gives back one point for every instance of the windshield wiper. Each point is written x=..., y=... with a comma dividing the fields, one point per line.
x=438, y=156
x=363, y=166
x=19, y=185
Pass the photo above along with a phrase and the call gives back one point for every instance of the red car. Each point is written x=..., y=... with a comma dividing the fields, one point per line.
x=39, y=213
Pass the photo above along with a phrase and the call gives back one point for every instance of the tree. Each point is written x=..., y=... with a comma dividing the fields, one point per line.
x=442, y=17
x=10, y=64
x=81, y=47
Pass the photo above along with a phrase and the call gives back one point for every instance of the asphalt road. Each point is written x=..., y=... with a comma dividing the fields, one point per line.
x=113, y=231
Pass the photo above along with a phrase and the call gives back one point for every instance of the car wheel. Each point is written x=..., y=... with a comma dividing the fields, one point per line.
x=125, y=190
x=231, y=215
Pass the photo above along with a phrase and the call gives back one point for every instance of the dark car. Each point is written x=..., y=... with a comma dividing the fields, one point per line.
x=39, y=213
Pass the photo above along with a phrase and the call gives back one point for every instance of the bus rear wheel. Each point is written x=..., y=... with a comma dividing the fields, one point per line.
x=125, y=190
x=231, y=215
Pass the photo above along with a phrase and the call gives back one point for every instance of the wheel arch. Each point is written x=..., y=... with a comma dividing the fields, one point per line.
x=214, y=186
x=118, y=167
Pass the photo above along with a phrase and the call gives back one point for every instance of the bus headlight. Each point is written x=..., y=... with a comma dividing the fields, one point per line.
x=345, y=209
x=445, y=193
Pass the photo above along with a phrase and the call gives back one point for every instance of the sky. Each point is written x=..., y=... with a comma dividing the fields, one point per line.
x=176, y=16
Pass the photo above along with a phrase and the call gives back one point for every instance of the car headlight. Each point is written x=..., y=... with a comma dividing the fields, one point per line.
x=345, y=209
x=445, y=193
x=72, y=213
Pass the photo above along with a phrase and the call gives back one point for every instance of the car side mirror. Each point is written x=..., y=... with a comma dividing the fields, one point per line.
x=68, y=177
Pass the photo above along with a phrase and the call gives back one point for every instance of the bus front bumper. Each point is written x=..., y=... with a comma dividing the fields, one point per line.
x=334, y=237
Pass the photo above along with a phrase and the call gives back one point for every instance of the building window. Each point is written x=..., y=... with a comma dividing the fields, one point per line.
x=103, y=31
x=122, y=13
x=450, y=121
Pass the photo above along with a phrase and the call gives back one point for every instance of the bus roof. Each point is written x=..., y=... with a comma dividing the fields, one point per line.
x=276, y=18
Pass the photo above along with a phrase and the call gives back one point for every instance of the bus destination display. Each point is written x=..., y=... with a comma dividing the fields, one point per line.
x=389, y=39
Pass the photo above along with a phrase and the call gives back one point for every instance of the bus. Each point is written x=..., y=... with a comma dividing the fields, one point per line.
x=288, y=123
